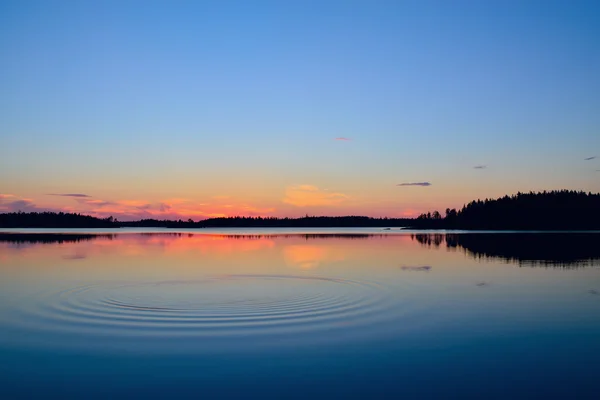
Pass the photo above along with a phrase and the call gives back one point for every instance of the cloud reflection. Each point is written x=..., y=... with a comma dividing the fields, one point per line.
x=424, y=268
x=309, y=257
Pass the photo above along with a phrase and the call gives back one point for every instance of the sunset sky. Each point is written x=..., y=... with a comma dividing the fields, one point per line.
x=193, y=109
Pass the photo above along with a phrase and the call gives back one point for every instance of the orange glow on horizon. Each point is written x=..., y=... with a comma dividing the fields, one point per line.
x=297, y=201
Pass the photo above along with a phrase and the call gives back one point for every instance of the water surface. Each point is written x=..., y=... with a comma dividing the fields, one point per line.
x=283, y=313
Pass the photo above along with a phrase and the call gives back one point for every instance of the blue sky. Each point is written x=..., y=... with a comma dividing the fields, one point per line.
x=154, y=100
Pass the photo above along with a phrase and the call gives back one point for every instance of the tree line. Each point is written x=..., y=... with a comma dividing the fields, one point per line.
x=73, y=220
x=54, y=220
x=548, y=210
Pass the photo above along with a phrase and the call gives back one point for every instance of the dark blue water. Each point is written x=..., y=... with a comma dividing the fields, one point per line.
x=295, y=316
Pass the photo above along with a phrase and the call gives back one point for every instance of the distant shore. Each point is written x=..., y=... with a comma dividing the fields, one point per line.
x=543, y=211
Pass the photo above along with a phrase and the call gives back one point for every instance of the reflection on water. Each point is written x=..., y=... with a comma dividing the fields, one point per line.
x=310, y=256
x=210, y=315
x=424, y=268
x=32, y=238
x=528, y=249
x=567, y=250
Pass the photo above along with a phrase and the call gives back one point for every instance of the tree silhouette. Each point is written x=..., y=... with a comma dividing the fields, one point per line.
x=553, y=210
x=548, y=210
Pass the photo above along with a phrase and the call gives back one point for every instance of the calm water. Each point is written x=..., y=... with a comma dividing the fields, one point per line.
x=353, y=313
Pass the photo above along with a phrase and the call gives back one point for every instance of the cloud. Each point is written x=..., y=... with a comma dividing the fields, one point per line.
x=23, y=205
x=20, y=204
x=310, y=196
x=69, y=195
x=135, y=203
x=12, y=203
x=590, y=158
x=97, y=203
x=343, y=139
x=173, y=208
x=480, y=167
x=414, y=184
x=255, y=211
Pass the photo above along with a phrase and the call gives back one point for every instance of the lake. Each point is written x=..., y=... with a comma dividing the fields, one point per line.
x=321, y=313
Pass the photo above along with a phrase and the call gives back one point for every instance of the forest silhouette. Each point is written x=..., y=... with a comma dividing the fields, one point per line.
x=552, y=210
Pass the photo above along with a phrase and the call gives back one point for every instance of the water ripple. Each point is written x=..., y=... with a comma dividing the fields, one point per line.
x=220, y=310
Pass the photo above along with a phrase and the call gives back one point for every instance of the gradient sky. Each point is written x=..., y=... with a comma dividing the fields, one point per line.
x=204, y=108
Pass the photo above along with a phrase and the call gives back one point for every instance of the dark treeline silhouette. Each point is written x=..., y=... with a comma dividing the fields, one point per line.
x=528, y=249
x=68, y=220
x=274, y=222
x=54, y=220
x=305, y=222
x=554, y=210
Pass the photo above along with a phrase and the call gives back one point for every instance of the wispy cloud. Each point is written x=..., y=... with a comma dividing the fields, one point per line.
x=79, y=195
x=133, y=209
x=414, y=184
x=174, y=208
x=590, y=158
x=96, y=202
x=134, y=203
x=480, y=167
x=23, y=205
x=14, y=203
x=255, y=211
x=343, y=139
x=310, y=196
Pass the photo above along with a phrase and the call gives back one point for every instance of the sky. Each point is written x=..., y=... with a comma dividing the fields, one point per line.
x=195, y=109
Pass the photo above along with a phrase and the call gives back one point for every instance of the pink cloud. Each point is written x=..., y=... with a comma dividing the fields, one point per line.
x=96, y=202
x=17, y=204
x=76, y=195
x=134, y=209
x=170, y=209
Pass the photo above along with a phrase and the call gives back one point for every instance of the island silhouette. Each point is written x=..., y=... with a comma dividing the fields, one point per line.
x=548, y=210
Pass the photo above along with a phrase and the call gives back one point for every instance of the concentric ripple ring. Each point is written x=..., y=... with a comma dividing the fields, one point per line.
x=197, y=313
